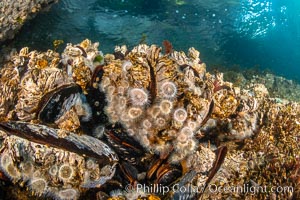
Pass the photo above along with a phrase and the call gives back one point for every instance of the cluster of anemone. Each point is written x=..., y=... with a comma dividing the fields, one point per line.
x=59, y=178
x=158, y=119
x=24, y=171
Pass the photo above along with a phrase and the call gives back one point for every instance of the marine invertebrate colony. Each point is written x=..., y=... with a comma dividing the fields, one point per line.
x=155, y=89
x=70, y=123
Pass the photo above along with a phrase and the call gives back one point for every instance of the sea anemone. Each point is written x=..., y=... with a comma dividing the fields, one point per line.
x=160, y=122
x=98, y=131
x=27, y=169
x=126, y=65
x=172, y=133
x=5, y=160
x=143, y=132
x=138, y=97
x=182, y=138
x=109, y=98
x=121, y=102
x=68, y=194
x=53, y=170
x=110, y=90
x=84, y=110
x=166, y=106
x=187, y=131
x=121, y=90
x=12, y=172
x=145, y=141
x=109, y=110
x=65, y=172
x=146, y=124
x=162, y=149
x=104, y=83
x=180, y=115
x=185, y=148
x=114, y=118
x=154, y=111
x=168, y=90
x=124, y=117
x=192, y=125
x=38, y=185
x=37, y=174
x=130, y=132
x=192, y=144
x=124, y=84
x=134, y=113
x=90, y=164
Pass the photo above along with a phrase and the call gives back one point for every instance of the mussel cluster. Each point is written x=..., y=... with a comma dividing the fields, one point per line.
x=83, y=123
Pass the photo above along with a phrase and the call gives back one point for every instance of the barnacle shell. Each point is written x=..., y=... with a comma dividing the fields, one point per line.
x=146, y=79
x=34, y=85
x=9, y=82
x=147, y=106
x=226, y=103
x=79, y=60
x=33, y=78
x=63, y=106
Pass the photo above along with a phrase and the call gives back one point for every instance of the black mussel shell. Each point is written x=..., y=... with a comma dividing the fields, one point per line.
x=129, y=172
x=154, y=166
x=124, y=145
x=96, y=99
x=81, y=144
x=168, y=174
x=55, y=103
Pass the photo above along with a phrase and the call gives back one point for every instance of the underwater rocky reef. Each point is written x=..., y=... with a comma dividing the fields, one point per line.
x=84, y=125
x=13, y=14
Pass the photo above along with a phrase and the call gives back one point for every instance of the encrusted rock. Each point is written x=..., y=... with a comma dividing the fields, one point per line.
x=13, y=15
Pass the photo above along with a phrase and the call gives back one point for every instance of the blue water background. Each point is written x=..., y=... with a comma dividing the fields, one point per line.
x=248, y=33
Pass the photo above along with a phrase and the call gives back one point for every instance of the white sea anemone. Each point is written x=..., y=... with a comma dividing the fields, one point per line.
x=134, y=113
x=138, y=97
x=38, y=185
x=68, y=194
x=166, y=106
x=168, y=90
x=65, y=172
x=180, y=115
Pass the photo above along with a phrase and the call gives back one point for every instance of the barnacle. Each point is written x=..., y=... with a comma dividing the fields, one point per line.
x=225, y=103
x=154, y=83
x=9, y=81
x=42, y=63
x=162, y=114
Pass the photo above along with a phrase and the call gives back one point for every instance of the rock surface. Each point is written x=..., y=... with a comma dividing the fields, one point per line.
x=13, y=14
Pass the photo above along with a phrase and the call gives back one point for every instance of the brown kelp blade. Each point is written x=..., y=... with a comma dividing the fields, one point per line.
x=220, y=157
x=81, y=144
